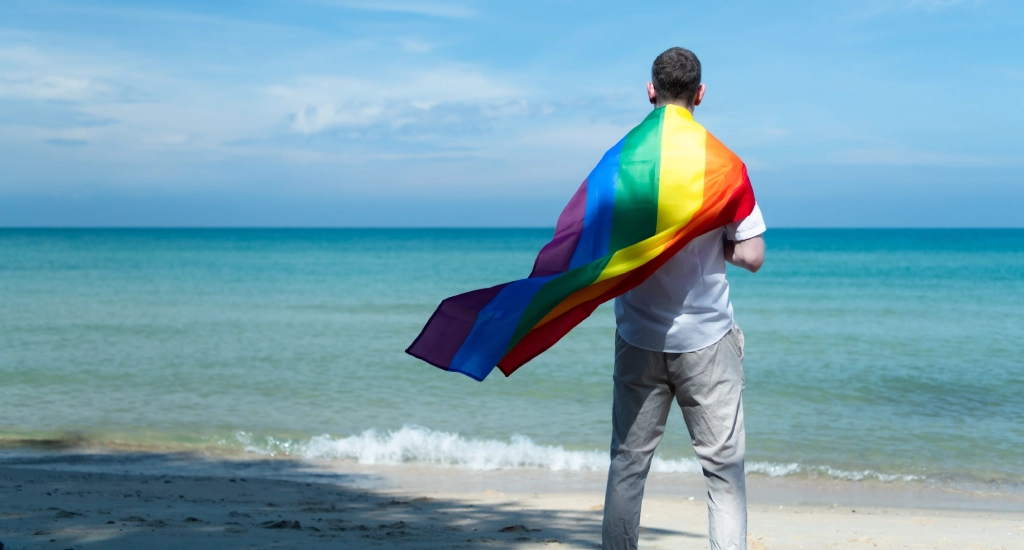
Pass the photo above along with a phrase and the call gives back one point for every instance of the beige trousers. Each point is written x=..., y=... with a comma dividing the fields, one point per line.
x=708, y=386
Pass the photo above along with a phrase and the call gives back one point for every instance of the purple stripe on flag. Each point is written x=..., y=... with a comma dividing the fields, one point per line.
x=449, y=326
x=555, y=256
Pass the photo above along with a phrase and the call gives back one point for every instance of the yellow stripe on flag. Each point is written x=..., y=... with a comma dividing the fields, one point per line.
x=681, y=183
x=680, y=189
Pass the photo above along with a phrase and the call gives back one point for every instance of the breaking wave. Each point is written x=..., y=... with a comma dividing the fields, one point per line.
x=414, y=444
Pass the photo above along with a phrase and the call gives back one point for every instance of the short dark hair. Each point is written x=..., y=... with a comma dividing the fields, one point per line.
x=676, y=75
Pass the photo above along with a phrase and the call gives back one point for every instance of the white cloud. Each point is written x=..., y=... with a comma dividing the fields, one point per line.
x=164, y=122
x=404, y=97
x=144, y=112
x=50, y=87
x=314, y=119
x=28, y=73
x=439, y=84
x=150, y=109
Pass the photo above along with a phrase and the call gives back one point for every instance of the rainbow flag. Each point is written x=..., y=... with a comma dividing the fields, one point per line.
x=667, y=182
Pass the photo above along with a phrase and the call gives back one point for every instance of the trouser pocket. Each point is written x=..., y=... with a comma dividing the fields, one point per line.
x=739, y=340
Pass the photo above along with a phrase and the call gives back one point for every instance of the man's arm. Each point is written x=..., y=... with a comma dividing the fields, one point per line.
x=748, y=254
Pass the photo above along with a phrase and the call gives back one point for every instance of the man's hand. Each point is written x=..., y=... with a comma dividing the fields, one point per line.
x=748, y=254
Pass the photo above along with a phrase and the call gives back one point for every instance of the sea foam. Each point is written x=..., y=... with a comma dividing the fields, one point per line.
x=415, y=444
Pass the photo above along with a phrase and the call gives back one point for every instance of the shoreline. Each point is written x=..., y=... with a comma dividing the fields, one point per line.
x=803, y=488
x=286, y=503
x=428, y=477
x=415, y=447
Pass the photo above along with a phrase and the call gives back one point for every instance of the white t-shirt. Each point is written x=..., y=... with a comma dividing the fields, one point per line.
x=684, y=305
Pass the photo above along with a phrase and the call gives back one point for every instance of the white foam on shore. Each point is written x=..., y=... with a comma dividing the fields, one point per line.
x=414, y=444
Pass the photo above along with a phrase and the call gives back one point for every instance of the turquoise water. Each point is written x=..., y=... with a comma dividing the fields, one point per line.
x=889, y=354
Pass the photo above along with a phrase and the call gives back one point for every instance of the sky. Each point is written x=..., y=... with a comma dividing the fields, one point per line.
x=848, y=113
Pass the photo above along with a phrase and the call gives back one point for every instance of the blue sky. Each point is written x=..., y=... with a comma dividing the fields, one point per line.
x=453, y=113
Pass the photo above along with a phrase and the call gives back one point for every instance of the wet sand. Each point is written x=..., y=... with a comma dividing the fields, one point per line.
x=54, y=506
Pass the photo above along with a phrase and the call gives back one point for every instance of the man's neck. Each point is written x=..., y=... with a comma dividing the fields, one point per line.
x=659, y=105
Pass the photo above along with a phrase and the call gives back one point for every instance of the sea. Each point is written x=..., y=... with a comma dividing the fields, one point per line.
x=889, y=355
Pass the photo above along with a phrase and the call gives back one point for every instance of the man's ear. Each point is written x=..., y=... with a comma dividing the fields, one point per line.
x=700, y=95
x=651, y=94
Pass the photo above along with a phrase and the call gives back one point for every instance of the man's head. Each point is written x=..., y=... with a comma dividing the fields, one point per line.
x=675, y=79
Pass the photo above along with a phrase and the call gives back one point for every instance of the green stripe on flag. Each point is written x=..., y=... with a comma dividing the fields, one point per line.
x=553, y=293
x=635, y=217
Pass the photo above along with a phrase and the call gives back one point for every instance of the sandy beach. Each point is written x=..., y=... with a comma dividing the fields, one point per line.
x=71, y=505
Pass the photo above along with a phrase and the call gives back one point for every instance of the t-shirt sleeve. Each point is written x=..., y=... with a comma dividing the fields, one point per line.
x=747, y=228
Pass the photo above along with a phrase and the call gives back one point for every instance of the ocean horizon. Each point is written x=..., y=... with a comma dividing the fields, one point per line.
x=882, y=354
x=550, y=228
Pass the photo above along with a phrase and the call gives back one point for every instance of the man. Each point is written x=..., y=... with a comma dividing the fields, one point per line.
x=676, y=339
